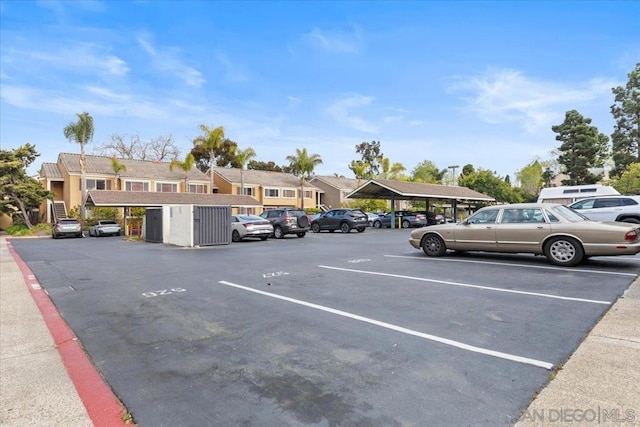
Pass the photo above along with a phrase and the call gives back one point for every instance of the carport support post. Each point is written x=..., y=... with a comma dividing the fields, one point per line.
x=454, y=207
x=124, y=224
x=393, y=211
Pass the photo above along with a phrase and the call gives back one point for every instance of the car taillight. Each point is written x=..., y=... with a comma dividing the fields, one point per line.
x=631, y=236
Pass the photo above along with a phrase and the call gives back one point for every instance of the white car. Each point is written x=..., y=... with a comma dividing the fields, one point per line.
x=610, y=208
x=250, y=226
x=105, y=227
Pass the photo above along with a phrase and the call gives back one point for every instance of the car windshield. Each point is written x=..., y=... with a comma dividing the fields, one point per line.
x=69, y=221
x=569, y=214
x=108, y=223
x=250, y=218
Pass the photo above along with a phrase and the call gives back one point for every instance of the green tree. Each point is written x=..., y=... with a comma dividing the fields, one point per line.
x=467, y=169
x=390, y=170
x=487, y=182
x=185, y=166
x=243, y=157
x=629, y=181
x=625, y=138
x=117, y=167
x=371, y=158
x=360, y=169
x=211, y=141
x=582, y=147
x=427, y=172
x=302, y=165
x=19, y=192
x=264, y=166
x=82, y=133
x=531, y=178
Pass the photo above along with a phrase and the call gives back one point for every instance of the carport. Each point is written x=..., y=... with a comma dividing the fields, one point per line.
x=128, y=199
x=387, y=189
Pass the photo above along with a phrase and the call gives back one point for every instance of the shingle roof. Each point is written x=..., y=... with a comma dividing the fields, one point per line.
x=136, y=169
x=384, y=188
x=263, y=178
x=145, y=199
x=51, y=171
x=340, y=183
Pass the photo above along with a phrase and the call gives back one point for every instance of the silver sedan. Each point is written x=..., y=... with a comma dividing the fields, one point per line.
x=243, y=226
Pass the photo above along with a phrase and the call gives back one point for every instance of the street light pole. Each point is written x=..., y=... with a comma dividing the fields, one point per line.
x=453, y=168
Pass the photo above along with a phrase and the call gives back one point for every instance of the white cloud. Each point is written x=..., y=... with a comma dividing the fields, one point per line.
x=167, y=61
x=341, y=109
x=507, y=95
x=336, y=41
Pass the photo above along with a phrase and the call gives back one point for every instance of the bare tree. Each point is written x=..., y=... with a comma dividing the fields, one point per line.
x=158, y=149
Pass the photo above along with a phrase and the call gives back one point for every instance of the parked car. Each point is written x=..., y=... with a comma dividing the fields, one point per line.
x=66, y=227
x=105, y=227
x=372, y=217
x=287, y=221
x=403, y=219
x=243, y=226
x=563, y=235
x=610, y=208
x=344, y=220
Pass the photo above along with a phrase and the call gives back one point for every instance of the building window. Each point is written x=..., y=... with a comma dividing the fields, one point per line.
x=166, y=187
x=288, y=193
x=248, y=191
x=271, y=192
x=308, y=194
x=96, y=184
x=197, y=188
x=136, y=186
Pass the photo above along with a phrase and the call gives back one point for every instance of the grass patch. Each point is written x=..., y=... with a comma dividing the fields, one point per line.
x=23, y=230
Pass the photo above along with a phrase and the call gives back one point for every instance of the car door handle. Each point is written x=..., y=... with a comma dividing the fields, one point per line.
x=540, y=227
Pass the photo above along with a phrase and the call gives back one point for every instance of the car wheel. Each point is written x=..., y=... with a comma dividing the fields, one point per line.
x=235, y=236
x=360, y=230
x=277, y=232
x=263, y=238
x=406, y=224
x=53, y=236
x=301, y=235
x=303, y=221
x=315, y=228
x=377, y=224
x=344, y=227
x=564, y=251
x=433, y=245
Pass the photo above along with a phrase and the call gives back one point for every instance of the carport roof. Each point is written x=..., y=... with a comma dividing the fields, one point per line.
x=400, y=190
x=149, y=199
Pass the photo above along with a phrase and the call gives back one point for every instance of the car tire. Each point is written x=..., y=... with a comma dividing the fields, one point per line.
x=235, y=236
x=303, y=221
x=377, y=224
x=263, y=238
x=277, y=232
x=301, y=234
x=433, y=245
x=406, y=224
x=360, y=230
x=631, y=220
x=564, y=251
x=344, y=227
x=315, y=228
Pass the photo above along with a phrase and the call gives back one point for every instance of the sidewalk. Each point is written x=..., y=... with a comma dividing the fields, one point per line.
x=599, y=384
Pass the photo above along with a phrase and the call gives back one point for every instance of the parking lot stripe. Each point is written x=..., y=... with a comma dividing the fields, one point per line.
x=466, y=285
x=446, y=341
x=543, y=267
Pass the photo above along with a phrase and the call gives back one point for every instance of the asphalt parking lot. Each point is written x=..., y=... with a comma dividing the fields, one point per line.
x=337, y=330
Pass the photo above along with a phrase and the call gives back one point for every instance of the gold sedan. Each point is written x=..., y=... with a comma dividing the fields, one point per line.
x=561, y=234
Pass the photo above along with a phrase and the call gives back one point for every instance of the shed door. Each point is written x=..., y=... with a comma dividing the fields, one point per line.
x=153, y=229
x=211, y=225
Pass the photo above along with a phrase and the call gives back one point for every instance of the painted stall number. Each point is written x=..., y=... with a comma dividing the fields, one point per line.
x=355, y=261
x=276, y=274
x=163, y=292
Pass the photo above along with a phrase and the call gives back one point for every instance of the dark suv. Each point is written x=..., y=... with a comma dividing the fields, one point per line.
x=287, y=221
x=344, y=220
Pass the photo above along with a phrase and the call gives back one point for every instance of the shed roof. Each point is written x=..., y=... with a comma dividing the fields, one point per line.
x=401, y=190
x=149, y=199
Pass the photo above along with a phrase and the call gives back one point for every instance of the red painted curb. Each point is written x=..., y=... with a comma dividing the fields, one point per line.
x=102, y=405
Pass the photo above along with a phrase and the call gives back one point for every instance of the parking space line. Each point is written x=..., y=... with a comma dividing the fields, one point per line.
x=543, y=267
x=466, y=285
x=446, y=341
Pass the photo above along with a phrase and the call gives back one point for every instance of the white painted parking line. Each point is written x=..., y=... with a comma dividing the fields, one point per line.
x=430, y=337
x=466, y=285
x=513, y=264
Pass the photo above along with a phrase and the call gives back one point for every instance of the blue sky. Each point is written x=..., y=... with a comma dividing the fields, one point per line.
x=452, y=82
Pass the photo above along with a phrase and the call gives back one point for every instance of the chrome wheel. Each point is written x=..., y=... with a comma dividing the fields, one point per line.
x=564, y=251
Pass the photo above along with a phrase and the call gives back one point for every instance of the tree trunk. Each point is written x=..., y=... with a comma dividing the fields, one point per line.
x=25, y=216
x=83, y=183
x=212, y=157
x=302, y=193
x=243, y=209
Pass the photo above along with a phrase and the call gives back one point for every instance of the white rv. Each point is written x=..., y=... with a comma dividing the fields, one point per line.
x=570, y=193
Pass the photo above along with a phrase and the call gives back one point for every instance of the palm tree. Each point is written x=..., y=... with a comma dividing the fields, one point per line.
x=186, y=166
x=117, y=168
x=243, y=157
x=211, y=140
x=302, y=165
x=390, y=171
x=82, y=133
